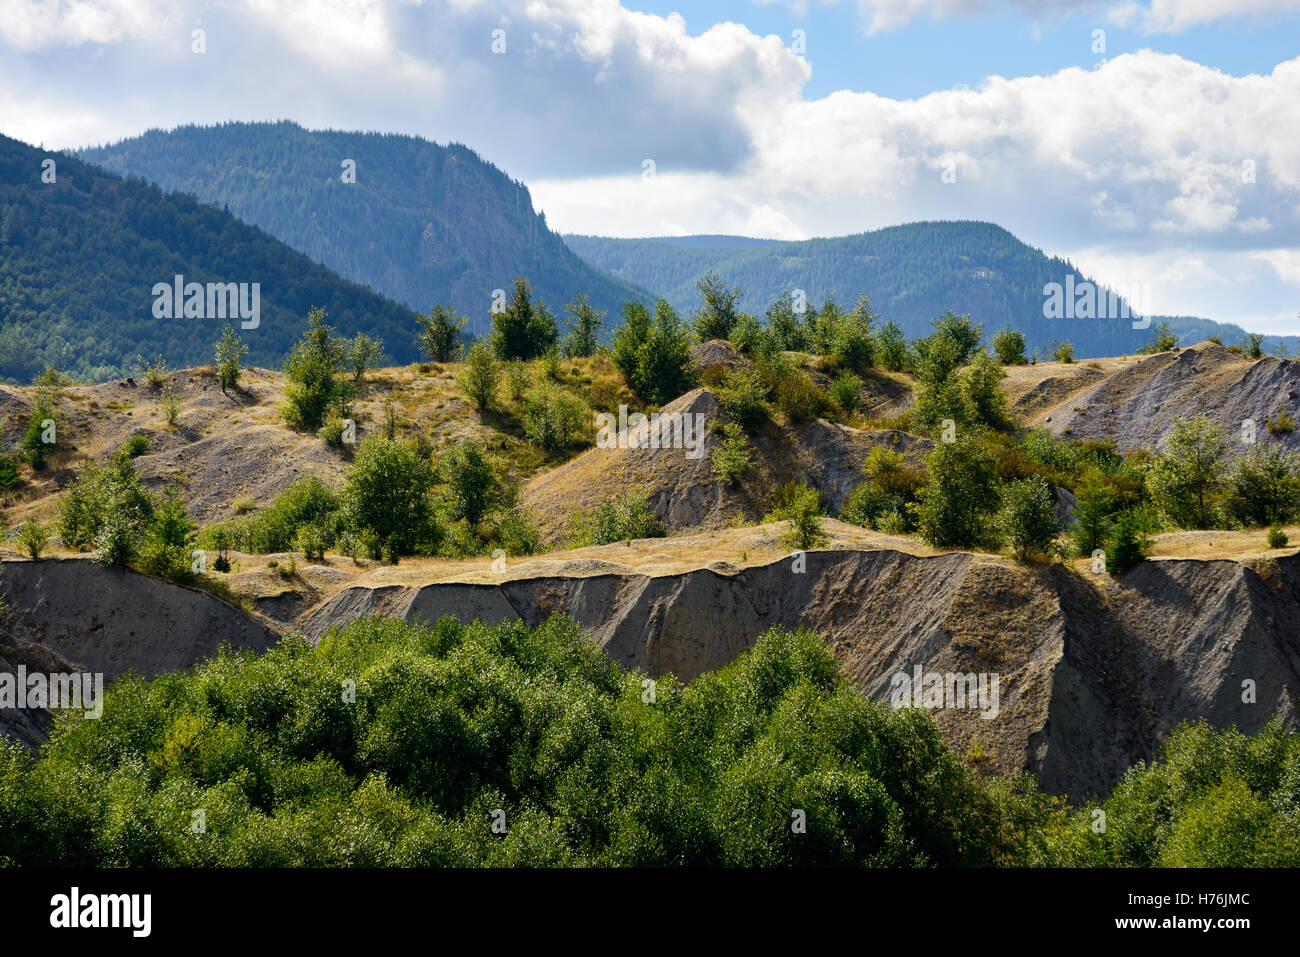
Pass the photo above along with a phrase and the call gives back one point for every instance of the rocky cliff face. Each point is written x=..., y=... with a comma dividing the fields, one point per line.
x=1092, y=672
x=115, y=620
x=1138, y=406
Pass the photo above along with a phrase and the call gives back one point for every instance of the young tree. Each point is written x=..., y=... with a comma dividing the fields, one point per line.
x=40, y=440
x=853, y=342
x=1128, y=546
x=664, y=366
x=1094, y=503
x=787, y=328
x=717, y=314
x=1163, y=339
x=439, y=334
x=631, y=335
x=653, y=354
x=891, y=347
x=1185, y=480
x=733, y=456
x=363, y=354
x=1266, y=486
x=1009, y=347
x=524, y=329
x=387, y=492
x=473, y=487
x=961, y=492
x=230, y=355
x=1026, y=519
x=313, y=369
x=584, y=328
x=478, y=377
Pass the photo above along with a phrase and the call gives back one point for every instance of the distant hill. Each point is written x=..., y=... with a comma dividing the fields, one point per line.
x=912, y=272
x=422, y=223
x=80, y=256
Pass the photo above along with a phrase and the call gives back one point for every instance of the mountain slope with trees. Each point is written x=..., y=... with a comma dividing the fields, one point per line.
x=912, y=273
x=420, y=222
x=79, y=258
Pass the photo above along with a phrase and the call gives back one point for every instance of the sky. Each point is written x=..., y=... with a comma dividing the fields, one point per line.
x=1152, y=142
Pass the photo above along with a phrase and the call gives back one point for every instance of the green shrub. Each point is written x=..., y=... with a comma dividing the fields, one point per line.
x=891, y=348
x=518, y=379
x=135, y=446
x=653, y=354
x=961, y=493
x=1265, y=486
x=474, y=487
x=314, y=371
x=170, y=403
x=743, y=397
x=1062, y=351
x=312, y=540
x=363, y=354
x=1163, y=339
x=230, y=354
x=803, y=507
x=889, y=498
x=733, y=456
x=517, y=534
x=1009, y=347
x=478, y=376
x=1276, y=537
x=583, y=338
x=799, y=398
x=306, y=502
x=523, y=329
x=388, y=491
x=166, y=549
x=716, y=317
x=1284, y=424
x=1026, y=517
x=625, y=517
x=1128, y=545
x=554, y=419
x=1186, y=479
x=846, y=392
x=10, y=477
x=851, y=340
x=33, y=537
x=40, y=440
x=102, y=496
x=439, y=334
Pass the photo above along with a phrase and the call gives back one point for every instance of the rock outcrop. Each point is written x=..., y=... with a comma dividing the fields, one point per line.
x=115, y=620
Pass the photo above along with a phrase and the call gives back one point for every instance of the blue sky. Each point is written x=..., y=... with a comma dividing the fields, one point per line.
x=931, y=54
x=1171, y=160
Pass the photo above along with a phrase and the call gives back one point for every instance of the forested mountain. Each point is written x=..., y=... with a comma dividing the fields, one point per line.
x=80, y=256
x=912, y=273
x=422, y=223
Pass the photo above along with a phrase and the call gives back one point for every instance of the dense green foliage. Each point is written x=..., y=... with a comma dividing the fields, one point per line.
x=421, y=223
x=79, y=259
x=450, y=745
